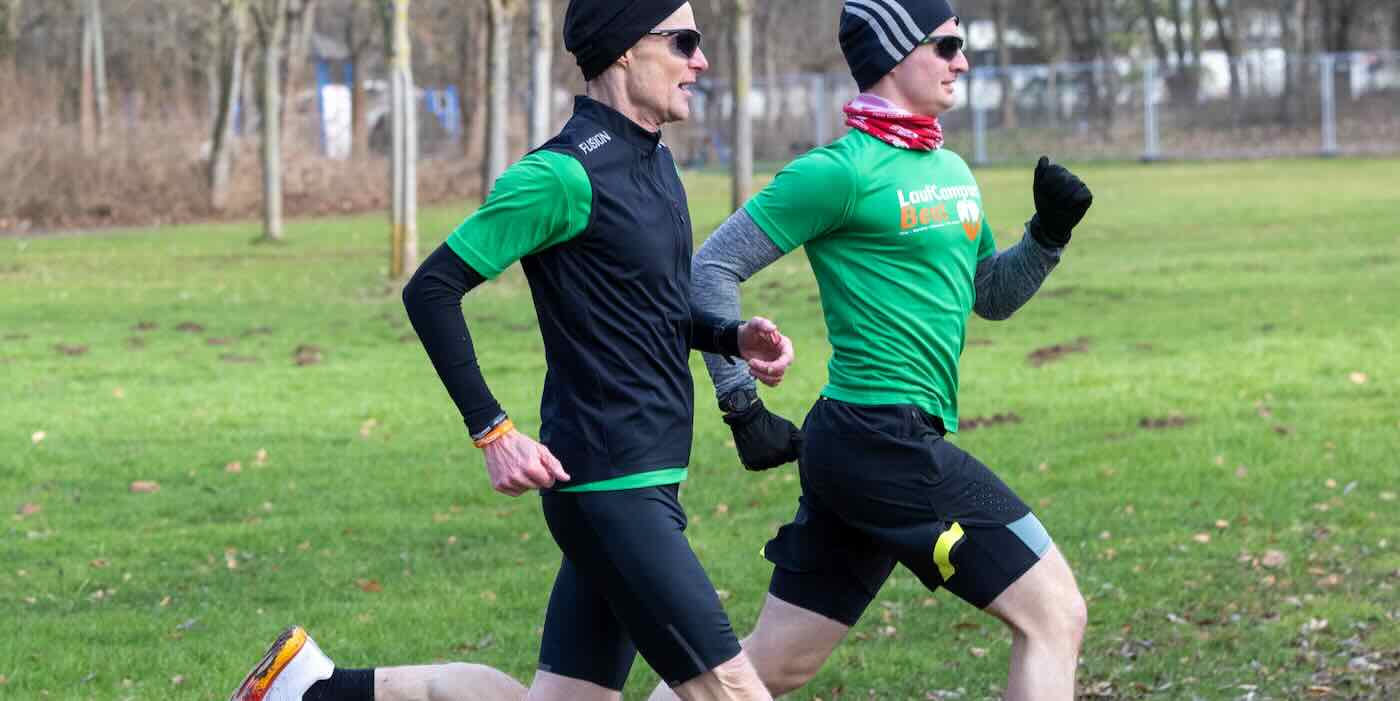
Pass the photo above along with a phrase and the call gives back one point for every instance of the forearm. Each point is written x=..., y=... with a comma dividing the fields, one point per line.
x=710, y=333
x=1007, y=280
x=732, y=254
x=433, y=300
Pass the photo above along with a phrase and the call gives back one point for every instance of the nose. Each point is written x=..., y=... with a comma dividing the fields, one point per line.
x=960, y=64
x=698, y=62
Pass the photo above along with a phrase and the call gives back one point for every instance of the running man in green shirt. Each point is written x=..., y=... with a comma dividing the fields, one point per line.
x=895, y=230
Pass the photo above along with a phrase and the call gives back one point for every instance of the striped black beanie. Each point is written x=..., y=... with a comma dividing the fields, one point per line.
x=877, y=34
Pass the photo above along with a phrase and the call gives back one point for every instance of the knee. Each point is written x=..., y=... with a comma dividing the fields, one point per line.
x=786, y=673
x=790, y=677
x=455, y=681
x=1063, y=618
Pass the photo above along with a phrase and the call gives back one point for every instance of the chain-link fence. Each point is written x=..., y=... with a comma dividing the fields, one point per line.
x=1266, y=104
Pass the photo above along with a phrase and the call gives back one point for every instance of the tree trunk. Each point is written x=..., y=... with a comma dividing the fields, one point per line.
x=742, y=183
x=87, y=121
x=1008, y=106
x=357, y=45
x=230, y=95
x=99, y=70
x=14, y=9
x=772, y=89
x=359, y=132
x=301, y=22
x=1227, y=44
x=1159, y=48
x=1179, y=35
x=272, y=30
x=403, y=238
x=541, y=61
x=475, y=47
x=502, y=13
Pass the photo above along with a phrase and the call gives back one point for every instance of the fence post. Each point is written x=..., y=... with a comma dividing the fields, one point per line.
x=1329, y=104
x=979, y=122
x=1151, y=148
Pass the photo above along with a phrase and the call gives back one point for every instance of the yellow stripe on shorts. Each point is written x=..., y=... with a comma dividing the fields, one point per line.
x=943, y=550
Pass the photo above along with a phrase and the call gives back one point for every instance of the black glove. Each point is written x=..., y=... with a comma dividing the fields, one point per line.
x=764, y=439
x=1061, y=199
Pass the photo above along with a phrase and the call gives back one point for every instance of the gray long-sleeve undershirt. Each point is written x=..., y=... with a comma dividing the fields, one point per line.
x=739, y=248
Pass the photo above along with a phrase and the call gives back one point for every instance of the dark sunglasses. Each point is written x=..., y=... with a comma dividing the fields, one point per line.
x=683, y=41
x=946, y=46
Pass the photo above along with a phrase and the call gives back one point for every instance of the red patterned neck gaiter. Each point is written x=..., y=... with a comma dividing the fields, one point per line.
x=892, y=125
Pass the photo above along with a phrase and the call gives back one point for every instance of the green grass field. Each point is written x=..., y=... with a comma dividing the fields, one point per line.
x=1217, y=452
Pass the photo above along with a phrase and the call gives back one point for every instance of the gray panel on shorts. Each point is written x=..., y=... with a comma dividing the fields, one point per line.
x=1031, y=532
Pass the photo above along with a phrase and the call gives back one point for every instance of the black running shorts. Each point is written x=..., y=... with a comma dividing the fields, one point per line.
x=629, y=583
x=880, y=486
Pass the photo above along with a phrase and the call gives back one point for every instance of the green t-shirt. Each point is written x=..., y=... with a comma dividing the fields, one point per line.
x=894, y=237
x=542, y=200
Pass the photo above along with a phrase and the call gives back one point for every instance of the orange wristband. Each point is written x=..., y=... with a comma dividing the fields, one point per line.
x=500, y=430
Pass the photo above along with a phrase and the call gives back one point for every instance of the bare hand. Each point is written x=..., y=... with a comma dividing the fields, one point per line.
x=768, y=352
x=517, y=464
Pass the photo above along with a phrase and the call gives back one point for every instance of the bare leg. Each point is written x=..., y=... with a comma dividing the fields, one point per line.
x=553, y=687
x=457, y=681
x=1047, y=617
x=735, y=680
x=786, y=648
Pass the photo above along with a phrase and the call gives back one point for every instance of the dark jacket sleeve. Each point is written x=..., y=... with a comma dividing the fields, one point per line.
x=433, y=299
x=713, y=334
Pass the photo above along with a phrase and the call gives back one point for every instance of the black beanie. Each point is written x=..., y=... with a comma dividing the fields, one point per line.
x=598, y=32
x=877, y=34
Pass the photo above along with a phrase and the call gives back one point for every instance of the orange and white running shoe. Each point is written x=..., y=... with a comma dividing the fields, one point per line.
x=292, y=664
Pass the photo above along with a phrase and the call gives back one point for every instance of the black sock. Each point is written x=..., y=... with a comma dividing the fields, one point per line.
x=344, y=685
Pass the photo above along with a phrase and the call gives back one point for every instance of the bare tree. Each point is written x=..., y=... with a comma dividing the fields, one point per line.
x=271, y=20
x=1000, y=10
x=501, y=14
x=1226, y=32
x=403, y=238
x=14, y=10
x=93, y=108
x=359, y=38
x=301, y=23
x=742, y=183
x=235, y=15
x=541, y=58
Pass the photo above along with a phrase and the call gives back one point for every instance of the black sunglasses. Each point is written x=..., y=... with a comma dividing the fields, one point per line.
x=683, y=41
x=946, y=46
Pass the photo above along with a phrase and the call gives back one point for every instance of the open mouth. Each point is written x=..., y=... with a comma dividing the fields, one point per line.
x=685, y=88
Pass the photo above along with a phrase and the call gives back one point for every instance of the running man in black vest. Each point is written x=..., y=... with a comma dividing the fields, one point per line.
x=599, y=221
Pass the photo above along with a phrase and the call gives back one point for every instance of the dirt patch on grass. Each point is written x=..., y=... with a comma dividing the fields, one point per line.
x=1050, y=354
x=975, y=422
x=1157, y=423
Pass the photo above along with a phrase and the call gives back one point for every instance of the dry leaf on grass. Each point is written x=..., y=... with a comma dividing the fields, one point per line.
x=38, y=437
x=1358, y=378
x=29, y=509
x=190, y=327
x=234, y=466
x=307, y=354
x=369, y=586
x=144, y=487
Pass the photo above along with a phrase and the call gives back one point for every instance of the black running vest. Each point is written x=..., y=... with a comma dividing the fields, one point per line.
x=614, y=308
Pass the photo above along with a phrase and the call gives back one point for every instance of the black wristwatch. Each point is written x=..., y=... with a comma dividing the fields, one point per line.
x=739, y=400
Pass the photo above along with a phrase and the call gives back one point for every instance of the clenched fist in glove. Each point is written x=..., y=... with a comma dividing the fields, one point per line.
x=764, y=439
x=1061, y=199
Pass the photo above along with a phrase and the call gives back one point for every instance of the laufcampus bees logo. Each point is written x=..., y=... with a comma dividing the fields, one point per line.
x=927, y=208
